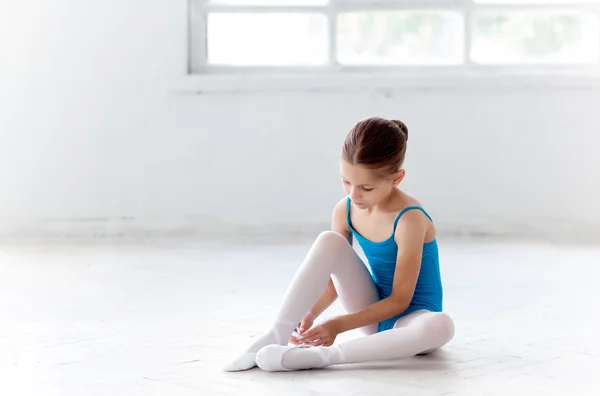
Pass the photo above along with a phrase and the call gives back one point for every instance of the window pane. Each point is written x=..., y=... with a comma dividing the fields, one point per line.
x=400, y=38
x=267, y=39
x=527, y=37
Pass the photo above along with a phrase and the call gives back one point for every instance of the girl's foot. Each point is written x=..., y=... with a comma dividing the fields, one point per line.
x=302, y=357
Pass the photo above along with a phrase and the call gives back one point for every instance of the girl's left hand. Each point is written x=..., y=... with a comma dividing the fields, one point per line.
x=323, y=334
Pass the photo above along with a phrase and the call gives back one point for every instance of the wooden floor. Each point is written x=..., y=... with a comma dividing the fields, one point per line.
x=161, y=318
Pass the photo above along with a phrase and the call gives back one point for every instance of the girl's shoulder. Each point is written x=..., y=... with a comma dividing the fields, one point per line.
x=341, y=208
x=404, y=201
x=414, y=217
x=410, y=206
x=339, y=219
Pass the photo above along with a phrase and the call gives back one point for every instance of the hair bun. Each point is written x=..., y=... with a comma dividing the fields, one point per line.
x=402, y=126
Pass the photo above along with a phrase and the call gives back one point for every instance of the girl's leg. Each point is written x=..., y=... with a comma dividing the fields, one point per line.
x=354, y=285
x=417, y=333
x=415, y=317
x=330, y=255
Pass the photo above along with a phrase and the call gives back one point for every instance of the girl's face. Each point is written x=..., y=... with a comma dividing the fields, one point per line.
x=365, y=187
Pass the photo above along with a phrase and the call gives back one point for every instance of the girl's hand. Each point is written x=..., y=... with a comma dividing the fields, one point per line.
x=322, y=335
x=303, y=326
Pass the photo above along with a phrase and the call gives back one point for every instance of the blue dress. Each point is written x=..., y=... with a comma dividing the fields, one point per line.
x=381, y=257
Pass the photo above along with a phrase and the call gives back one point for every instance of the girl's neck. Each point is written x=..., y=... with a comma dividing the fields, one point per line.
x=390, y=203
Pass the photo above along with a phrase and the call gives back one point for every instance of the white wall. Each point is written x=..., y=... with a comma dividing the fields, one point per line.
x=91, y=142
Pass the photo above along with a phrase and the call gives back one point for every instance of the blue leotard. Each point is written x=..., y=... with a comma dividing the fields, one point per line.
x=381, y=257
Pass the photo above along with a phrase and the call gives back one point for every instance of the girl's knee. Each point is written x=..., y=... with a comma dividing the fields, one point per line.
x=441, y=326
x=329, y=250
x=332, y=239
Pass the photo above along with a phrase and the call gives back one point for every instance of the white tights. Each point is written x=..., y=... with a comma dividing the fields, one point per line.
x=332, y=256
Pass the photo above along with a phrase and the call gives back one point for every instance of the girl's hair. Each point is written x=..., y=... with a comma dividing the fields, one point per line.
x=377, y=143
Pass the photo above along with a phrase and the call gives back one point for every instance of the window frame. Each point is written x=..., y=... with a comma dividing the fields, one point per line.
x=234, y=78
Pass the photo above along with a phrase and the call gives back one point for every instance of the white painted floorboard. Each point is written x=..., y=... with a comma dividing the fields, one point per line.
x=161, y=318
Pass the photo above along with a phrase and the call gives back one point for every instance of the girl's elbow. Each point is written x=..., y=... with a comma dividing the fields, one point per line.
x=401, y=303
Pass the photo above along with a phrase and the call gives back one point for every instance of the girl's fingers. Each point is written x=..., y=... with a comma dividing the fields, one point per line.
x=312, y=332
x=320, y=342
x=311, y=339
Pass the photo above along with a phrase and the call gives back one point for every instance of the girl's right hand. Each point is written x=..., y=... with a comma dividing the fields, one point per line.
x=303, y=326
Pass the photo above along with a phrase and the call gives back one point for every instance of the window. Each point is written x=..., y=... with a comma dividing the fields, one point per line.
x=399, y=38
x=266, y=39
x=233, y=35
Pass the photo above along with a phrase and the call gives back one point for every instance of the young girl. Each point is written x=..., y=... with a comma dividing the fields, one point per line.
x=397, y=304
